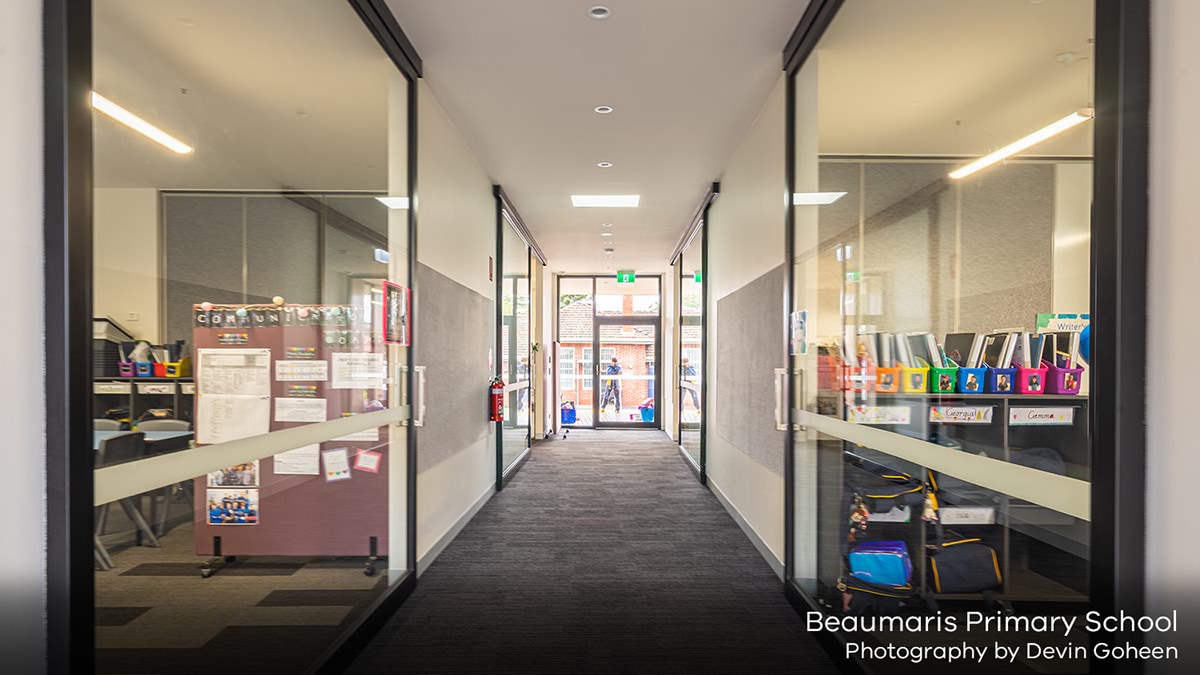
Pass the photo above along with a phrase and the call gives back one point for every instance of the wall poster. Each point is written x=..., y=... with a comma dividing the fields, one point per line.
x=395, y=314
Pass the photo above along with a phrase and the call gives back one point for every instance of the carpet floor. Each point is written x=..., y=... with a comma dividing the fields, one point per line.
x=603, y=555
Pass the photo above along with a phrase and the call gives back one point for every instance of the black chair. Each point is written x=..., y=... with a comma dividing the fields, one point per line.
x=160, y=518
x=164, y=425
x=116, y=450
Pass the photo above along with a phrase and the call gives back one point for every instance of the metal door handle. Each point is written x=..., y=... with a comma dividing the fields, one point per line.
x=803, y=401
x=780, y=423
x=418, y=403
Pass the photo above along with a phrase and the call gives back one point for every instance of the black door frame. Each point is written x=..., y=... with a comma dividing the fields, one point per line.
x=697, y=226
x=597, y=376
x=67, y=235
x=1118, y=309
x=508, y=216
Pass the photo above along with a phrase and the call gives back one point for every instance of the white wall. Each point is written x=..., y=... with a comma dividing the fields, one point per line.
x=127, y=286
x=457, y=234
x=22, y=629
x=1072, y=237
x=745, y=242
x=1172, y=462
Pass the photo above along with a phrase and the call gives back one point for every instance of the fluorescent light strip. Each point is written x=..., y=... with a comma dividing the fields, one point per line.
x=616, y=201
x=1048, y=131
x=139, y=125
x=394, y=202
x=810, y=198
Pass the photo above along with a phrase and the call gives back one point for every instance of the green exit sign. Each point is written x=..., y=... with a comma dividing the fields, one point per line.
x=698, y=277
x=626, y=277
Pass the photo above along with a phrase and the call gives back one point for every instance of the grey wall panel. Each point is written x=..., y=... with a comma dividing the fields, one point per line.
x=1007, y=247
x=454, y=334
x=282, y=256
x=202, y=245
x=749, y=348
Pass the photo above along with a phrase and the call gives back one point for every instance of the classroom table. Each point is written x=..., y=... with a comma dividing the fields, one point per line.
x=156, y=441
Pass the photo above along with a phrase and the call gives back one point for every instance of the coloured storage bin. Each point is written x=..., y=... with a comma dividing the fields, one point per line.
x=567, y=415
x=1062, y=380
x=1001, y=380
x=942, y=380
x=914, y=380
x=1031, y=380
x=858, y=378
x=126, y=369
x=180, y=368
x=647, y=413
x=143, y=368
x=160, y=369
x=887, y=380
x=971, y=380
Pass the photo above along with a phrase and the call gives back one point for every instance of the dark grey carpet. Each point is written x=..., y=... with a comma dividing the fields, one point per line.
x=603, y=555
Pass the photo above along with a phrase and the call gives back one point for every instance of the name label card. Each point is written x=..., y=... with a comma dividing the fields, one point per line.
x=946, y=414
x=879, y=414
x=1031, y=417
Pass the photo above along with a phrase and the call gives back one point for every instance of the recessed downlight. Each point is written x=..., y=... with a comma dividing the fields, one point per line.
x=604, y=165
x=605, y=224
x=616, y=201
x=606, y=234
x=603, y=109
x=599, y=12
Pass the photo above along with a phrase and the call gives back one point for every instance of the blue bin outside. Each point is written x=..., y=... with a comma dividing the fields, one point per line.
x=568, y=415
x=647, y=414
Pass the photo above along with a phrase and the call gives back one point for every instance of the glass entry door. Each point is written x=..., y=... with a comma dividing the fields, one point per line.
x=624, y=374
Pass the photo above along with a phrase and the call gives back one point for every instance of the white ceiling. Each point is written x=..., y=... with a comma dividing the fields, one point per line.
x=896, y=78
x=248, y=68
x=520, y=79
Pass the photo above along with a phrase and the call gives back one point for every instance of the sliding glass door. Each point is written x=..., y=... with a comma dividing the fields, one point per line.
x=625, y=373
x=689, y=271
x=253, y=388
x=896, y=285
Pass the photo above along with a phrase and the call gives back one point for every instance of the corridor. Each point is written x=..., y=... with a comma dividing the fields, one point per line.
x=603, y=555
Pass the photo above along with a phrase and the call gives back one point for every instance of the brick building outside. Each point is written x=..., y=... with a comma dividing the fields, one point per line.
x=632, y=345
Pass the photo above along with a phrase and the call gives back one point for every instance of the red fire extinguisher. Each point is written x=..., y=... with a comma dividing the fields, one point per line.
x=497, y=407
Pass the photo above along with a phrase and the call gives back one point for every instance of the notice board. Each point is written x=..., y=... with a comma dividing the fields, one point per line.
x=263, y=368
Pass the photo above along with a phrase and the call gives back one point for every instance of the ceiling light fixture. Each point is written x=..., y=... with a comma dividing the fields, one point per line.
x=603, y=109
x=818, y=198
x=599, y=12
x=600, y=201
x=394, y=202
x=1053, y=129
x=604, y=165
x=606, y=234
x=139, y=125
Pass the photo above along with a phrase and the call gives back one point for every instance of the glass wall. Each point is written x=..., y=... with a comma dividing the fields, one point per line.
x=252, y=275
x=514, y=347
x=575, y=367
x=940, y=306
x=690, y=273
x=608, y=345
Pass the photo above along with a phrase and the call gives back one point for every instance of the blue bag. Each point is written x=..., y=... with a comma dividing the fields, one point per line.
x=882, y=563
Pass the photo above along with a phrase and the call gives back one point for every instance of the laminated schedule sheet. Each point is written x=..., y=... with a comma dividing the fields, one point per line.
x=233, y=372
x=233, y=394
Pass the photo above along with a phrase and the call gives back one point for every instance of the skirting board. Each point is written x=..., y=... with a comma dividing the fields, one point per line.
x=775, y=563
x=426, y=560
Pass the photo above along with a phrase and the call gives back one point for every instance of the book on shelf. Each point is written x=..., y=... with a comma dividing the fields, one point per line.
x=904, y=356
x=998, y=349
x=923, y=347
x=965, y=349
